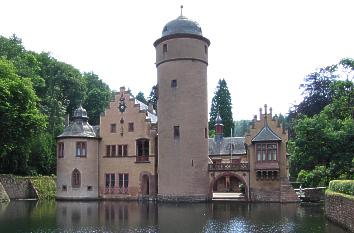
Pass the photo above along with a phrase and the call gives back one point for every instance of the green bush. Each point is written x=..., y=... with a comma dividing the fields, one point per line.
x=342, y=186
x=45, y=186
x=317, y=177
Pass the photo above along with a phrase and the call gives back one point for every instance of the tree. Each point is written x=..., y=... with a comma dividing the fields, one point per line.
x=221, y=103
x=56, y=89
x=325, y=139
x=98, y=97
x=140, y=96
x=153, y=97
x=20, y=119
x=241, y=128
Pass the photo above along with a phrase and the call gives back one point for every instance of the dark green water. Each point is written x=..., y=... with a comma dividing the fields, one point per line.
x=31, y=216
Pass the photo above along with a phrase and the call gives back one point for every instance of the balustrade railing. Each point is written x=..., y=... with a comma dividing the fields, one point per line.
x=228, y=167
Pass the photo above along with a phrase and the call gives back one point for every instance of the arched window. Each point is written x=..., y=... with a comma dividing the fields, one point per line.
x=76, y=179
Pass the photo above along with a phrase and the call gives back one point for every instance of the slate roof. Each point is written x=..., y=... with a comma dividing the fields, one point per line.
x=222, y=146
x=79, y=127
x=266, y=134
x=150, y=115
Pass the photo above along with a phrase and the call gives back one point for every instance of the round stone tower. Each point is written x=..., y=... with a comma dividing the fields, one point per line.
x=181, y=62
x=77, y=159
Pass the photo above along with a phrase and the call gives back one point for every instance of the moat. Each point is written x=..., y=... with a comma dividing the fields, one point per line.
x=107, y=216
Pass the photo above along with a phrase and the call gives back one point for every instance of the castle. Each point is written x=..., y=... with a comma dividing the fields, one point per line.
x=136, y=153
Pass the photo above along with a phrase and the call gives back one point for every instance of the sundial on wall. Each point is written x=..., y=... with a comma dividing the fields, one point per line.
x=122, y=106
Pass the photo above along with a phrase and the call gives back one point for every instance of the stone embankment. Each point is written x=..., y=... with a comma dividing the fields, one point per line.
x=3, y=195
x=18, y=188
x=339, y=206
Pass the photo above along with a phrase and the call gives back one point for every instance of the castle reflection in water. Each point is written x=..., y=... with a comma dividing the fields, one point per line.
x=113, y=216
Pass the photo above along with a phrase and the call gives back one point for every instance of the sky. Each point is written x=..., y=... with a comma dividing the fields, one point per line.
x=263, y=49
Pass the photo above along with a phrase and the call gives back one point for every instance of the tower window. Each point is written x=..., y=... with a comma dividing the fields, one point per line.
x=206, y=49
x=174, y=83
x=176, y=133
x=60, y=150
x=165, y=48
x=81, y=149
x=205, y=132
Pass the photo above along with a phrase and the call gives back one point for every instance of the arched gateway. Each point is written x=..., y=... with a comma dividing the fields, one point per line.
x=228, y=166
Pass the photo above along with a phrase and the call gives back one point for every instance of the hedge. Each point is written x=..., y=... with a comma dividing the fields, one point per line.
x=342, y=186
x=45, y=186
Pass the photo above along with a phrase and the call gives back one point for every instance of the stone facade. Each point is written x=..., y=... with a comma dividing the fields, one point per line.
x=340, y=209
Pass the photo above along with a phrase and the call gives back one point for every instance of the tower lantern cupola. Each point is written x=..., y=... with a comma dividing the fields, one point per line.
x=80, y=114
x=219, y=127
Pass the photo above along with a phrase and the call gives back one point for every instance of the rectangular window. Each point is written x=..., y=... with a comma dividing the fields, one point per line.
x=165, y=48
x=113, y=180
x=81, y=149
x=113, y=150
x=60, y=150
x=122, y=150
x=110, y=180
x=259, y=158
x=272, y=151
x=123, y=180
x=108, y=150
x=266, y=151
x=206, y=49
x=131, y=127
x=205, y=132
x=263, y=151
x=126, y=181
x=125, y=150
x=176, y=131
x=107, y=180
x=113, y=128
x=174, y=83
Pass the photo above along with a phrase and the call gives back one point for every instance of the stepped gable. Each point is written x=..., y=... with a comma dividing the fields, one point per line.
x=150, y=113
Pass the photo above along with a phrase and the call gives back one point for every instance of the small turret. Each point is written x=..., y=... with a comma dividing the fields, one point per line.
x=219, y=127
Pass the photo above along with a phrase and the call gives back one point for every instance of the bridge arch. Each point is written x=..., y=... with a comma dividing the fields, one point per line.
x=228, y=182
